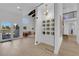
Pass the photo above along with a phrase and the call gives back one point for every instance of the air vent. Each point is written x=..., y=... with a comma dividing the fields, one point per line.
x=32, y=13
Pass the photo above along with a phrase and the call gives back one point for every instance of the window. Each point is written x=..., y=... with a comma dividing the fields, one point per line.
x=70, y=15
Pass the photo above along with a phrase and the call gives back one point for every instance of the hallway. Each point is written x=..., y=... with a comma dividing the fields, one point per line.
x=24, y=47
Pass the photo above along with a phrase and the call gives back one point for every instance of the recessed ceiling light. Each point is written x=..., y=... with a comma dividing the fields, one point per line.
x=18, y=7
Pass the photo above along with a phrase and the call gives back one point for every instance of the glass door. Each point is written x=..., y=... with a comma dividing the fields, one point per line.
x=16, y=31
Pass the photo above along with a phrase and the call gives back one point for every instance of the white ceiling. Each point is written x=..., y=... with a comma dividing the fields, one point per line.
x=69, y=5
x=12, y=7
x=26, y=7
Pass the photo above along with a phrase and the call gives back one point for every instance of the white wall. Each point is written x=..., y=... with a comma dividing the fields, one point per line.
x=28, y=22
x=48, y=39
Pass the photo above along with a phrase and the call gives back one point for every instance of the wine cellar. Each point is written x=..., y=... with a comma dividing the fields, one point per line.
x=48, y=27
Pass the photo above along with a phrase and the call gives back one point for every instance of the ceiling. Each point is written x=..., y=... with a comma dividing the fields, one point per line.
x=69, y=5
x=25, y=8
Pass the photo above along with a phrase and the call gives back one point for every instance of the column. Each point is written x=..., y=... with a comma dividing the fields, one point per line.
x=20, y=28
x=36, y=28
x=58, y=14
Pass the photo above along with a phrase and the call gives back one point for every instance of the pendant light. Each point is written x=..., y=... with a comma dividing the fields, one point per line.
x=46, y=10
